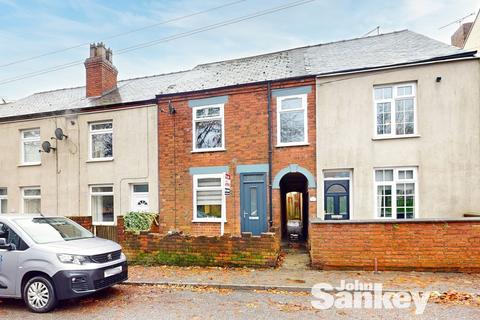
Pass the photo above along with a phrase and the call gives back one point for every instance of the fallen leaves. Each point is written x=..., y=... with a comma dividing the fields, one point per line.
x=454, y=297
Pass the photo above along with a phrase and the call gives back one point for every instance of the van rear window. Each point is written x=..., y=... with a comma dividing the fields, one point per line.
x=45, y=230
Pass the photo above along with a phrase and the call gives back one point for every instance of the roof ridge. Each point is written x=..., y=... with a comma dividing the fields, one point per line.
x=302, y=47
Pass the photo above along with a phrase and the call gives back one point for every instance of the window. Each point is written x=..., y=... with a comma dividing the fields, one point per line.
x=208, y=197
x=32, y=200
x=101, y=140
x=292, y=127
x=30, y=146
x=3, y=200
x=208, y=128
x=396, y=193
x=395, y=109
x=101, y=201
x=140, y=198
x=11, y=237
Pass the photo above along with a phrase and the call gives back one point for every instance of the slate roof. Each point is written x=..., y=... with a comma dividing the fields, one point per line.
x=396, y=48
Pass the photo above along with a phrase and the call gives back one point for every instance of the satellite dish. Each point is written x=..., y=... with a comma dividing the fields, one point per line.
x=59, y=134
x=47, y=147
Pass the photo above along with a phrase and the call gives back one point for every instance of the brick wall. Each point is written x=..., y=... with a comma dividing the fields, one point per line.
x=84, y=221
x=154, y=248
x=101, y=76
x=421, y=246
x=246, y=142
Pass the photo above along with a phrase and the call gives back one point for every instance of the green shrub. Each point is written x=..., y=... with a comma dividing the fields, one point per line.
x=139, y=221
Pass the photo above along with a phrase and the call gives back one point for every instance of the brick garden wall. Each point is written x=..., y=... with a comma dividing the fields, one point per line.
x=84, y=221
x=421, y=246
x=155, y=248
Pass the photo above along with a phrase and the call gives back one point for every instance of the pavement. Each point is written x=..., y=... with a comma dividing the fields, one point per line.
x=295, y=275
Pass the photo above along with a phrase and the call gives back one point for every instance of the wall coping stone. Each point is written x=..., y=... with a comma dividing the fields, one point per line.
x=394, y=221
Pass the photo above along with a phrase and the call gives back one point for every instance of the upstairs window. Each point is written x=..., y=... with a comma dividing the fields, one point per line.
x=101, y=140
x=208, y=197
x=3, y=200
x=208, y=128
x=395, y=109
x=30, y=146
x=396, y=193
x=292, y=127
x=32, y=200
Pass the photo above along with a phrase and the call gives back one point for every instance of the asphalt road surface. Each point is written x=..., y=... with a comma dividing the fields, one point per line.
x=160, y=302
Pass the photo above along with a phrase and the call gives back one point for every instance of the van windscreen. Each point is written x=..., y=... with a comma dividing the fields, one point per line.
x=45, y=230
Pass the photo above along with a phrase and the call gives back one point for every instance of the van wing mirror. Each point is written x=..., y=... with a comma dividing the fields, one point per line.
x=5, y=246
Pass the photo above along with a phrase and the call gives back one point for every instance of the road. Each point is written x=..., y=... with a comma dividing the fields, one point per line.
x=160, y=302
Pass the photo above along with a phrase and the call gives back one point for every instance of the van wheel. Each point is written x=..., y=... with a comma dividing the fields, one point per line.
x=39, y=295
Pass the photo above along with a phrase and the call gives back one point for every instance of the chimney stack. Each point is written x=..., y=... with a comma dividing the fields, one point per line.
x=101, y=73
x=460, y=36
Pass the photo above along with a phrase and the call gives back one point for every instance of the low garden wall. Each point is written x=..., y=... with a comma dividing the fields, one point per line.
x=84, y=221
x=420, y=245
x=155, y=248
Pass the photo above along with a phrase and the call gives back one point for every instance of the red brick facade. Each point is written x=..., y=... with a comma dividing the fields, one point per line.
x=421, y=246
x=246, y=143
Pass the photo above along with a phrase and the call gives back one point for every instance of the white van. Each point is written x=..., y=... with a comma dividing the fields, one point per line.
x=46, y=259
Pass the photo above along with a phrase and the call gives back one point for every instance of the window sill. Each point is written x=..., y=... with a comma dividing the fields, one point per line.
x=208, y=220
x=302, y=144
x=99, y=160
x=29, y=164
x=209, y=150
x=397, y=137
x=103, y=223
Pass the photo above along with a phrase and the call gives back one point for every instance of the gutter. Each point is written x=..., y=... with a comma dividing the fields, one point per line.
x=91, y=109
x=458, y=57
x=270, y=153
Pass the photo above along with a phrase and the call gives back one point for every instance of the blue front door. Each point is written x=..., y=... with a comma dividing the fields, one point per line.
x=337, y=199
x=253, y=203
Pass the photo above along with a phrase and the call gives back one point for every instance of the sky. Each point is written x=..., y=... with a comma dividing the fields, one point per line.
x=34, y=27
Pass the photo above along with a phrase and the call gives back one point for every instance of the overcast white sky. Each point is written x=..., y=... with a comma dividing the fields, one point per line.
x=33, y=27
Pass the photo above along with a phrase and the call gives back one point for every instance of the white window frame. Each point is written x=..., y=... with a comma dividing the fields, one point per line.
x=24, y=197
x=393, y=185
x=194, y=127
x=393, y=109
x=305, y=119
x=3, y=197
x=92, y=132
x=22, y=146
x=195, y=188
x=133, y=193
x=91, y=193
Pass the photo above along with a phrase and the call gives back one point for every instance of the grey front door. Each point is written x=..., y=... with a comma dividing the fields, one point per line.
x=253, y=203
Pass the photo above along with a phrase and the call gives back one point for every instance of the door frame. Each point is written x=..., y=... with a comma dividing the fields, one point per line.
x=242, y=195
x=350, y=188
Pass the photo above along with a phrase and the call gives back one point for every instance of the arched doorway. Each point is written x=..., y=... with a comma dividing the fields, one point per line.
x=294, y=206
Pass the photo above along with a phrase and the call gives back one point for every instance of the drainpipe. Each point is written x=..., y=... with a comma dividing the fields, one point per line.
x=270, y=152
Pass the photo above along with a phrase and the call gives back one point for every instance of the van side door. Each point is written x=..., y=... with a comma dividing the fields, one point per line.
x=9, y=260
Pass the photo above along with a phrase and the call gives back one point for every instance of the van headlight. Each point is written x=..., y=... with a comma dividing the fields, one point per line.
x=72, y=258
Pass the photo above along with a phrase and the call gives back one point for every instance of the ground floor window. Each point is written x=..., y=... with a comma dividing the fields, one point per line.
x=3, y=200
x=208, y=197
x=102, y=208
x=140, y=201
x=32, y=200
x=395, y=190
